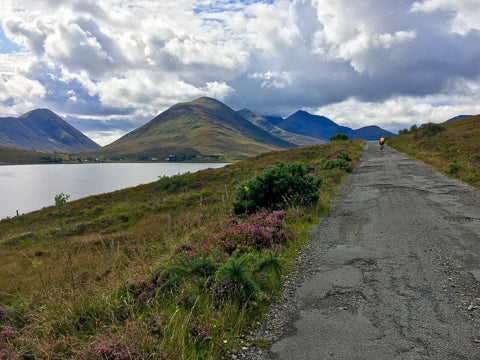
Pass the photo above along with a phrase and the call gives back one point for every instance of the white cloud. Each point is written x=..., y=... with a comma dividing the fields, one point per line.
x=402, y=112
x=103, y=138
x=267, y=27
x=122, y=61
x=467, y=12
x=388, y=40
x=17, y=90
x=274, y=80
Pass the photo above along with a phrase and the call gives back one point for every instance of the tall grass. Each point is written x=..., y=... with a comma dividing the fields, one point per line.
x=71, y=285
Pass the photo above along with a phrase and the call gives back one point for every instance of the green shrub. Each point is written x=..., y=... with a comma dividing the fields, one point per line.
x=287, y=184
x=339, y=137
x=338, y=163
x=344, y=156
x=172, y=183
x=61, y=203
x=431, y=129
x=453, y=168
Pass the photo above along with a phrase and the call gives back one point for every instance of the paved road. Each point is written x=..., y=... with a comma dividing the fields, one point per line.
x=393, y=271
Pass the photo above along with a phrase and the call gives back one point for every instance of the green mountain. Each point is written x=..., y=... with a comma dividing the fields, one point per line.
x=43, y=130
x=261, y=122
x=201, y=128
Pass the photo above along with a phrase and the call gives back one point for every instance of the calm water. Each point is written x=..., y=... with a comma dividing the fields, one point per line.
x=31, y=187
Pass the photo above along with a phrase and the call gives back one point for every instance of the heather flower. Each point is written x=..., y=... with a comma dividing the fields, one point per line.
x=8, y=333
x=148, y=290
x=108, y=347
x=5, y=354
x=2, y=313
x=199, y=330
x=156, y=323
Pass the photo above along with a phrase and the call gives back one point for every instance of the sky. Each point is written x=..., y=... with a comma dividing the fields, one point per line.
x=110, y=66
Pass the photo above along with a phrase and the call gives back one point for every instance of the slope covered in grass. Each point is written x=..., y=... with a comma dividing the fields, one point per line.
x=11, y=156
x=204, y=127
x=158, y=271
x=454, y=151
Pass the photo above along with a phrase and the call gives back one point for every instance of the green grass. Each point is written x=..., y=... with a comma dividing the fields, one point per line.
x=69, y=284
x=454, y=152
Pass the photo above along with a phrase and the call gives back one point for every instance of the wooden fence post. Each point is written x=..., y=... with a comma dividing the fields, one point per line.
x=112, y=248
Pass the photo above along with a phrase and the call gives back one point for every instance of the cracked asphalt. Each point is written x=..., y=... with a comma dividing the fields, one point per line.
x=393, y=272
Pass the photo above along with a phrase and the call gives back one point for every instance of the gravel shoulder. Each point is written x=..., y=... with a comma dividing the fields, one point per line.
x=393, y=272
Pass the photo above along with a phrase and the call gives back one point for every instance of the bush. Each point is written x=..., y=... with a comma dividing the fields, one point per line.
x=344, y=156
x=338, y=163
x=339, y=137
x=61, y=203
x=287, y=184
x=453, y=168
x=172, y=183
x=431, y=129
x=260, y=231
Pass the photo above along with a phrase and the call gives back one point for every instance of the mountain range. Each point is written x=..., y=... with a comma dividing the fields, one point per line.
x=321, y=127
x=203, y=128
x=262, y=122
x=43, y=130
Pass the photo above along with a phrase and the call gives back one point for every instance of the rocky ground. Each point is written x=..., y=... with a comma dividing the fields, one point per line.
x=393, y=272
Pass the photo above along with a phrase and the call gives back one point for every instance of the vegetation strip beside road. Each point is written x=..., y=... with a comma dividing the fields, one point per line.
x=163, y=270
x=451, y=148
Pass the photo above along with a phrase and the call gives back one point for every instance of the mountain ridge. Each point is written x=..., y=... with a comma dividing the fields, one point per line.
x=323, y=128
x=261, y=122
x=43, y=130
x=203, y=127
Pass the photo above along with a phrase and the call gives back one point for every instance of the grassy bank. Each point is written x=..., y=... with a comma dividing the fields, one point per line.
x=455, y=151
x=159, y=271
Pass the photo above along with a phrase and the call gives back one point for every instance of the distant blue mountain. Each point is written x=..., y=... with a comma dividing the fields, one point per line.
x=458, y=117
x=274, y=119
x=323, y=128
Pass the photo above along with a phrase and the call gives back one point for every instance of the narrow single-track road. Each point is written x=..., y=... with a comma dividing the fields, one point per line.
x=393, y=272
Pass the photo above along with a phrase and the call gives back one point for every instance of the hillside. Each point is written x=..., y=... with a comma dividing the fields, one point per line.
x=11, y=156
x=323, y=128
x=43, y=130
x=454, y=152
x=201, y=128
x=261, y=122
x=73, y=277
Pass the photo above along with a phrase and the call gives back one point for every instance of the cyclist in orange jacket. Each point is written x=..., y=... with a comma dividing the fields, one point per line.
x=382, y=142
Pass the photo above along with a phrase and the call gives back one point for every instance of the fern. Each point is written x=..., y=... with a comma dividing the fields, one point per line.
x=201, y=266
x=237, y=271
x=271, y=261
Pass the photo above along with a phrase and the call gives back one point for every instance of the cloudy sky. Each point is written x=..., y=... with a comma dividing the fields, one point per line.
x=110, y=66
